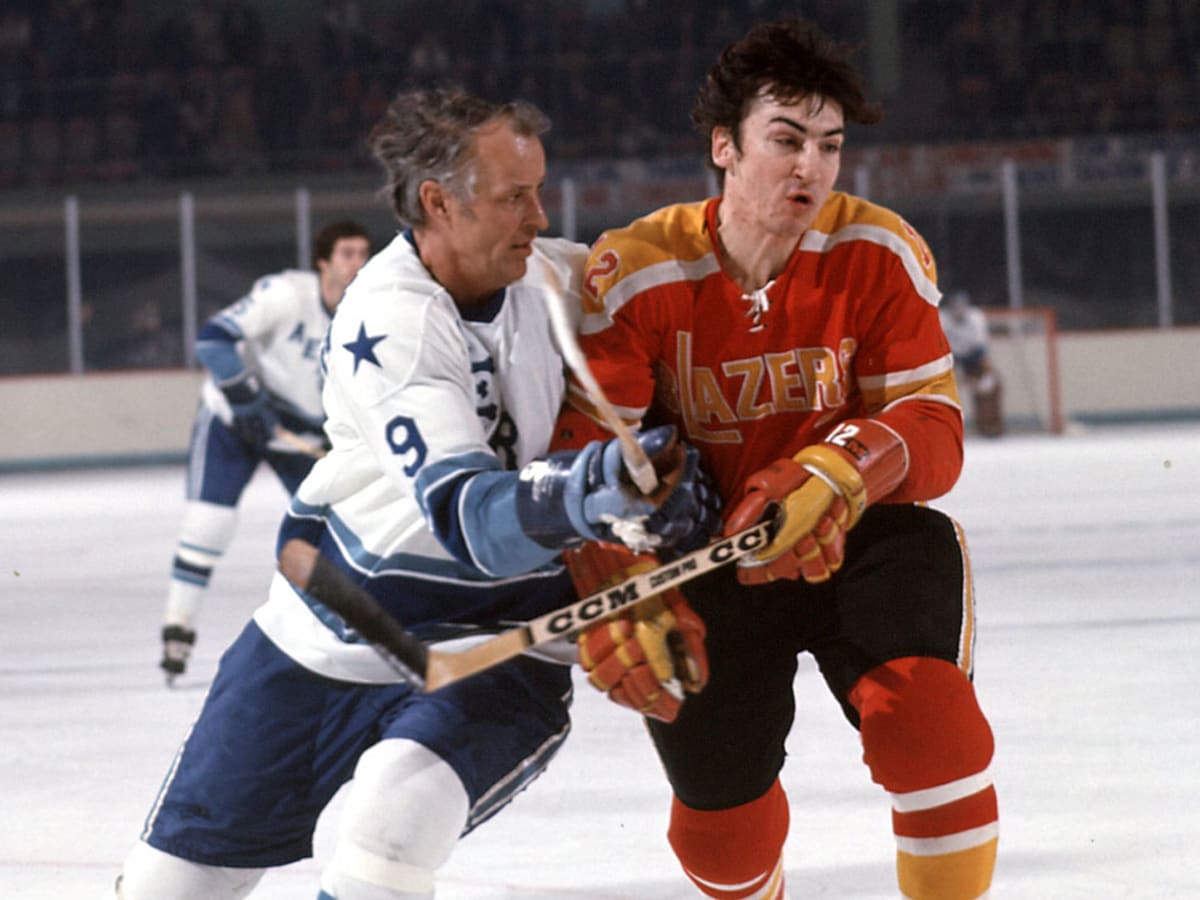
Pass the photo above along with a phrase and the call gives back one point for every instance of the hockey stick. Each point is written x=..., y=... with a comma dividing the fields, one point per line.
x=298, y=443
x=431, y=669
x=641, y=470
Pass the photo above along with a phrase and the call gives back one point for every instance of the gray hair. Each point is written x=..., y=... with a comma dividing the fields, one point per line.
x=429, y=135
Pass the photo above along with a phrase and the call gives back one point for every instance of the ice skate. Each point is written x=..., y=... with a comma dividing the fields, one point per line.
x=177, y=647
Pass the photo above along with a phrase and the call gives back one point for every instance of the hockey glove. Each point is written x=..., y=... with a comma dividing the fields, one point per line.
x=817, y=496
x=571, y=496
x=648, y=656
x=690, y=515
x=253, y=418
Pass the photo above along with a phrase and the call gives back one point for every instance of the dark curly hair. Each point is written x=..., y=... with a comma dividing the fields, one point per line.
x=787, y=59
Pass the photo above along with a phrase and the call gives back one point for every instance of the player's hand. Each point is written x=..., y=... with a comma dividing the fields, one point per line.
x=816, y=497
x=587, y=494
x=689, y=516
x=253, y=418
x=650, y=656
x=255, y=422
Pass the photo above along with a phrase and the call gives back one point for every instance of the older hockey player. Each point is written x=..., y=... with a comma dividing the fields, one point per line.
x=260, y=403
x=443, y=384
x=790, y=331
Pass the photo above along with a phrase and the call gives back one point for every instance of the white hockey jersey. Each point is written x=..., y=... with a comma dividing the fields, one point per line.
x=430, y=412
x=275, y=332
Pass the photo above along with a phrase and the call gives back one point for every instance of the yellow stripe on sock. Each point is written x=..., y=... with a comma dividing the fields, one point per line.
x=965, y=875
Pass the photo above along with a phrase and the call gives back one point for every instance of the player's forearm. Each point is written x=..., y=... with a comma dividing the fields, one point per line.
x=490, y=532
x=216, y=349
x=470, y=506
x=932, y=431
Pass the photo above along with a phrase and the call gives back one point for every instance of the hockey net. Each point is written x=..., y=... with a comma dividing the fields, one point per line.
x=1024, y=352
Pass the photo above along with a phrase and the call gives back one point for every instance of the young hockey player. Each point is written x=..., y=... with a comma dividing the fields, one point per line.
x=791, y=333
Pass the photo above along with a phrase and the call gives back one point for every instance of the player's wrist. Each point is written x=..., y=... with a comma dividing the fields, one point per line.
x=832, y=465
x=544, y=501
x=242, y=391
x=862, y=459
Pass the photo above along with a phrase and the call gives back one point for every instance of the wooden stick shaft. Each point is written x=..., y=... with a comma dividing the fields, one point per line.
x=574, y=617
x=312, y=573
x=640, y=468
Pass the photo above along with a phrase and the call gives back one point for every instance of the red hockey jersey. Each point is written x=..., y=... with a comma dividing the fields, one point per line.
x=848, y=329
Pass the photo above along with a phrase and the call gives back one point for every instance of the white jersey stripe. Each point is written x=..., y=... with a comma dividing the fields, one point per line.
x=951, y=843
x=916, y=801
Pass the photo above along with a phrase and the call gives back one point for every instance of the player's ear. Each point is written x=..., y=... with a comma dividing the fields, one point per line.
x=723, y=147
x=433, y=200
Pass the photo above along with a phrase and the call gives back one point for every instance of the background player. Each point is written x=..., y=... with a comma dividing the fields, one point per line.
x=966, y=329
x=443, y=384
x=791, y=333
x=262, y=354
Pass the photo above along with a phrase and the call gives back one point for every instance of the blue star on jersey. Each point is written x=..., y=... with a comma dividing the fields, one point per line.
x=363, y=347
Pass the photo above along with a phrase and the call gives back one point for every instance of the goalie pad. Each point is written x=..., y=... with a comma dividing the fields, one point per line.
x=988, y=397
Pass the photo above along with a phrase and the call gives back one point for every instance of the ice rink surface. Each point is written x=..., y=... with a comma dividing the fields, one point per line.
x=1087, y=561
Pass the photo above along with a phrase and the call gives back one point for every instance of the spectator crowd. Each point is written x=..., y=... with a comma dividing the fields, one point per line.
x=115, y=90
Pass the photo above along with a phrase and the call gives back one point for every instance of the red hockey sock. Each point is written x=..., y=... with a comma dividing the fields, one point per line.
x=733, y=854
x=926, y=741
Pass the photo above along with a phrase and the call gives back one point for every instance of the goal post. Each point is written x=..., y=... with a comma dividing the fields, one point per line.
x=1024, y=353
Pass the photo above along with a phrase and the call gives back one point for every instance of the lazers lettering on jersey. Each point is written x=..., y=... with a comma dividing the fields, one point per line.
x=803, y=379
x=605, y=603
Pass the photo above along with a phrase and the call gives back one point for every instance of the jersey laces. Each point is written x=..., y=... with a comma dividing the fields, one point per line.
x=759, y=304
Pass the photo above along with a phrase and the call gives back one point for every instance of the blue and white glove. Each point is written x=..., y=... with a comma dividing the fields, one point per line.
x=691, y=514
x=586, y=494
x=253, y=418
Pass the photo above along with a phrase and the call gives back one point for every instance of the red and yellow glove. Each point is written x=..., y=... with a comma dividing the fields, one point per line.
x=648, y=656
x=820, y=494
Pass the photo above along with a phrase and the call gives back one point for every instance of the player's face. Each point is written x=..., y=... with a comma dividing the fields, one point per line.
x=348, y=256
x=786, y=167
x=493, y=232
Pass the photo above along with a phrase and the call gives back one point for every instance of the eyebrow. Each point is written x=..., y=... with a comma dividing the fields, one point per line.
x=515, y=185
x=784, y=120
